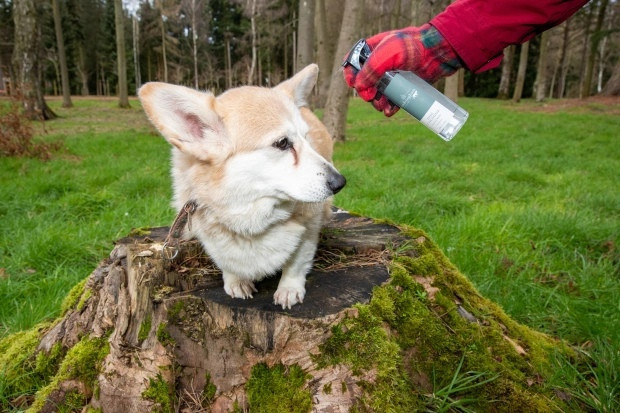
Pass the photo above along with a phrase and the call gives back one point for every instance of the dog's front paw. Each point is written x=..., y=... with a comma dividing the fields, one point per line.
x=237, y=287
x=289, y=295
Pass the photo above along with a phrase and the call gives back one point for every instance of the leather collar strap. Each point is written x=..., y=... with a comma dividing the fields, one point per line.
x=170, y=249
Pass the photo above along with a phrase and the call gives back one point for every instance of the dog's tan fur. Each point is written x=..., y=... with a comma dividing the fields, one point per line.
x=261, y=204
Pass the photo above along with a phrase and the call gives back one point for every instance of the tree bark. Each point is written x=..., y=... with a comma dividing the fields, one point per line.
x=194, y=42
x=595, y=41
x=540, y=84
x=504, y=83
x=121, y=59
x=162, y=28
x=612, y=87
x=305, y=34
x=584, y=52
x=62, y=56
x=451, y=87
x=518, y=92
x=327, y=19
x=384, y=312
x=135, y=25
x=27, y=61
x=336, y=107
x=253, y=61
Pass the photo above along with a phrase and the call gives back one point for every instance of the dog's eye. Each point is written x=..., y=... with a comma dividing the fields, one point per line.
x=283, y=144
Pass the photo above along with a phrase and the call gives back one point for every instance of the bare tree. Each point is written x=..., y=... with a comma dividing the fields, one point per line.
x=62, y=56
x=335, y=115
x=254, y=36
x=305, y=34
x=194, y=9
x=521, y=72
x=123, y=99
x=327, y=19
x=595, y=41
x=135, y=30
x=451, y=87
x=504, y=82
x=27, y=60
x=612, y=87
x=540, y=84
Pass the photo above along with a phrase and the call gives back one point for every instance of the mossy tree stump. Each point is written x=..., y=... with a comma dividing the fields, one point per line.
x=387, y=323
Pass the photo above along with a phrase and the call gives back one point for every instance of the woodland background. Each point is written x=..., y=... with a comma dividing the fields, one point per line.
x=218, y=44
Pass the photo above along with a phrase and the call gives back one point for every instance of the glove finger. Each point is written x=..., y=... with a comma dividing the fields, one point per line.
x=366, y=93
x=377, y=38
x=390, y=110
x=381, y=103
x=349, y=73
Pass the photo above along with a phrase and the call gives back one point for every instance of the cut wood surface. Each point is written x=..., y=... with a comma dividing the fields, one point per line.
x=386, y=320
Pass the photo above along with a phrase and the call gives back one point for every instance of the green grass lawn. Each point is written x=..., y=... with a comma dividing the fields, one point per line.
x=525, y=201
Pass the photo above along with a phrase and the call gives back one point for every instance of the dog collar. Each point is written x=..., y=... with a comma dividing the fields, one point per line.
x=170, y=249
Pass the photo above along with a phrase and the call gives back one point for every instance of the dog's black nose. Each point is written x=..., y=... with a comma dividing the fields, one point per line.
x=336, y=182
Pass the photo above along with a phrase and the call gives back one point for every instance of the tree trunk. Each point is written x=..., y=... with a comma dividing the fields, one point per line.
x=540, y=84
x=253, y=63
x=27, y=61
x=451, y=87
x=135, y=25
x=327, y=19
x=385, y=320
x=228, y=65
x=518, y=92
x=163, y=44
x=305, y=34
x=336, y=107
x=612, y=87
x=584, y=52
x=595, y=40
x=62, y=56
x=123, y=98
x=194, y=44
x=81, y=68
x=504, y=83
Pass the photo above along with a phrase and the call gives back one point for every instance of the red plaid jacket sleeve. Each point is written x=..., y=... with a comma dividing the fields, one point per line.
x=479, y=30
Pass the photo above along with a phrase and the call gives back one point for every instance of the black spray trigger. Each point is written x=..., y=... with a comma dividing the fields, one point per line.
x=358, y=55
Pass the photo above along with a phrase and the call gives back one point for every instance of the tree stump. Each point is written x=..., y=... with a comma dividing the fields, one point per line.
x=387, y=324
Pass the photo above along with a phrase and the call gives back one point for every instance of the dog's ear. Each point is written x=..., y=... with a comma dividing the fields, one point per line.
x=186, y=118
x=299, y=86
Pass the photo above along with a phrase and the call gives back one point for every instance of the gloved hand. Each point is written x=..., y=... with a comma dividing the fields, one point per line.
x=421, y=50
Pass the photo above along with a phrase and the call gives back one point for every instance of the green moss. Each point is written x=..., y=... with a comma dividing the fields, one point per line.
x=83, y=298
x=145, y=329
x=163, y=336
x=174, y=312
x=47, y=364
x=327, y=388
x=90, y=409
x=140, y=232
x=280, y=389
x=159, y=392
x=82, y=362
x=73, y=402
x=403, y=338
x=209, y=389
x=22, y=370
x=73, y=297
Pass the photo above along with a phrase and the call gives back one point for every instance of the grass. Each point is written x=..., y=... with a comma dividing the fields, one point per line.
x=525, y=201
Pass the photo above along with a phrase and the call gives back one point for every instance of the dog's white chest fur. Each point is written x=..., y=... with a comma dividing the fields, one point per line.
x=254, y=256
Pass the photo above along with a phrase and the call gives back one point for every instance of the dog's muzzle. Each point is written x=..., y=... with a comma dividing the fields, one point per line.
x=336, y=182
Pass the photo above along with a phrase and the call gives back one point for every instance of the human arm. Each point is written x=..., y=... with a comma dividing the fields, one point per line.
x=470, y=33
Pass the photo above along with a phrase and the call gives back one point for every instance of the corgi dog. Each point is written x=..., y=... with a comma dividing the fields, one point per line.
x=257, y=163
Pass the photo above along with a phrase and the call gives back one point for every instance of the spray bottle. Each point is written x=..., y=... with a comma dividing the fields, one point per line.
x=414, y=95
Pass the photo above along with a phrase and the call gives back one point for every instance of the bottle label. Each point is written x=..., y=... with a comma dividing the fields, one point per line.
x=437, y=117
